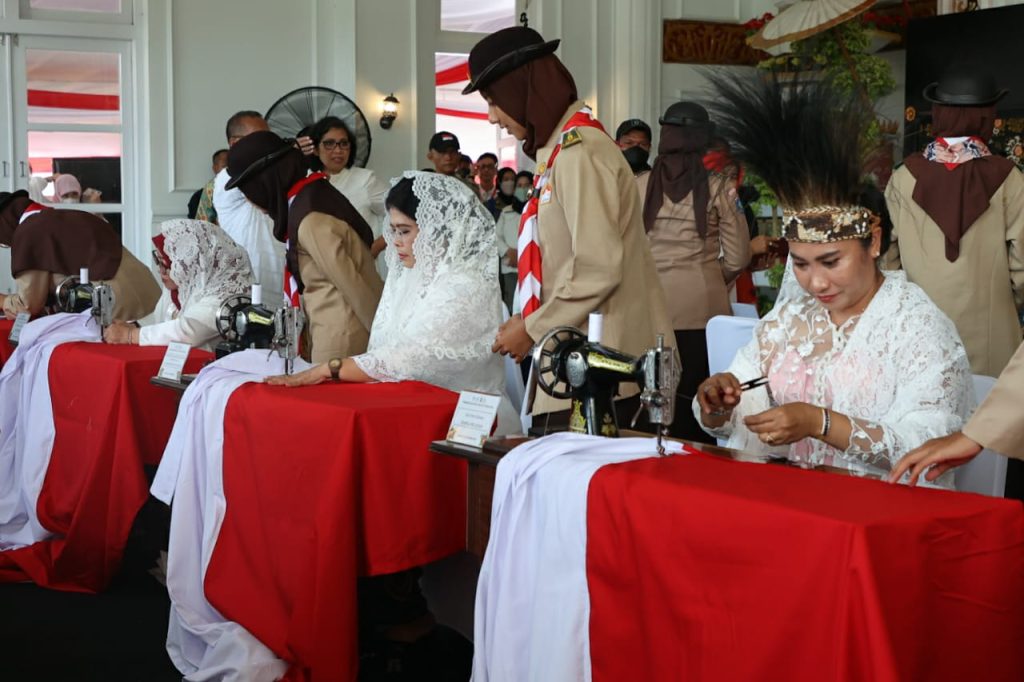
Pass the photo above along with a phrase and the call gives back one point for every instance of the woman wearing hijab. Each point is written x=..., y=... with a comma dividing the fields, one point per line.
x=48, y=245
x=582, y=246
x=958, y=213
x=441, y=304
x=699, y=241
x=328, y=259
x=200, y=267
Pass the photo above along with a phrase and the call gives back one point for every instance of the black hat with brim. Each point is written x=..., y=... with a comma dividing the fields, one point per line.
x=964, y=86
x=686, y=114
x=504, y=51
x=8, y=197
x=273, y=149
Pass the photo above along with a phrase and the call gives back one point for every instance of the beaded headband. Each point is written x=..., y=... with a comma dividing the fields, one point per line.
x=824, y=224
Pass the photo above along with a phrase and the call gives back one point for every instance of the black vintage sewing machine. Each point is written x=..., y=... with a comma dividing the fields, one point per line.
x=76, y=294
x=244, y=322
x=566, y=364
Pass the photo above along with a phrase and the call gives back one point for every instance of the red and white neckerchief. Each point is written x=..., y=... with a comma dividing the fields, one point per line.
x=31, y=210
x=953, y=151
x=291, y=285
x=529, y=265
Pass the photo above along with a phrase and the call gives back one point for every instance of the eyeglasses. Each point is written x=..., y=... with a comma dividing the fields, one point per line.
x=330, y=145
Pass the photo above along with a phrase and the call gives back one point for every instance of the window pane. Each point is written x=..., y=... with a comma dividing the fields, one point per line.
x=476, y=16
x=464, y=115
x=73, y=87
x=93, y=158
x=105, y=6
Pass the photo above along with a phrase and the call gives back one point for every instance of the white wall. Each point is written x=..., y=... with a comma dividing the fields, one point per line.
x=202, y=60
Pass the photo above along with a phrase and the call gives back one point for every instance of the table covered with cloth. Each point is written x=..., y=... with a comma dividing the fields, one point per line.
x=321, y=484
x=695, y=567
x=108, y=421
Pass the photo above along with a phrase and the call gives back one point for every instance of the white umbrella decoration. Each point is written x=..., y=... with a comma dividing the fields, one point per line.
x=805, y=18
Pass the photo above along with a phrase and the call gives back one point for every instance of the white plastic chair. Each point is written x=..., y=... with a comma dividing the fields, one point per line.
x=745, y=310
x=986, y=473
x=726, y=334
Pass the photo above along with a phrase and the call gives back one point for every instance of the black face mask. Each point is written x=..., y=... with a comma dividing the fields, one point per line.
x=637, y=158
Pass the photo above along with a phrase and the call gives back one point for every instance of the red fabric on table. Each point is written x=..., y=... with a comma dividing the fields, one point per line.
x=6, y=349
x=325, y=483
x=108, y=420
x=707, y=569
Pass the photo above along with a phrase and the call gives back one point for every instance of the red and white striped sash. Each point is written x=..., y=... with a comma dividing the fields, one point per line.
x=530, y=268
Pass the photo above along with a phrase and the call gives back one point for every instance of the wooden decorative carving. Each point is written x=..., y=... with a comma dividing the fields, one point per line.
x=707, y=42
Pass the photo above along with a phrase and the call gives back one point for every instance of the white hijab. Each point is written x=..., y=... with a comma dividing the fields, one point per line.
x=437, y=320
x=205, y=261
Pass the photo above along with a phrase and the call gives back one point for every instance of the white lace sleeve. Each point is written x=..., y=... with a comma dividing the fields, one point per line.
x=745, y=366
x=932, y=387
x=446, y=341
x=195, y=326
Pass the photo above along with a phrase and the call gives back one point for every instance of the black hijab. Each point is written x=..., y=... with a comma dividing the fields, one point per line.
x=269, y=167
x=679, y=170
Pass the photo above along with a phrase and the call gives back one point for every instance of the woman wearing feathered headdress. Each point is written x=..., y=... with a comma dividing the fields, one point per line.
x=862, y=366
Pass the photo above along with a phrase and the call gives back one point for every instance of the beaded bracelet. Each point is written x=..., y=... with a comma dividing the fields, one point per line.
x=826, y=421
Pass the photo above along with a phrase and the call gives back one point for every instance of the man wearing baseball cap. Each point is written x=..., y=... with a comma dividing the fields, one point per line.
x=443, y=152
x=634, y=139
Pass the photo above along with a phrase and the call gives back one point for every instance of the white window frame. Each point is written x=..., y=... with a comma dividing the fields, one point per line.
x=26, y=12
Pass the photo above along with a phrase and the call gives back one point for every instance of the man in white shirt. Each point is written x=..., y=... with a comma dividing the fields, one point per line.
x=250, y=227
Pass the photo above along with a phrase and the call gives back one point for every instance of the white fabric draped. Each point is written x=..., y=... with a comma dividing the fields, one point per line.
x=202, y=643
x=532, y=619
x=26, y=422
x=253, y=230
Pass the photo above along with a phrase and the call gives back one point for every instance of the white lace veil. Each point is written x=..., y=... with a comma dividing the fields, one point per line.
x=437, y=320
x=205, y=261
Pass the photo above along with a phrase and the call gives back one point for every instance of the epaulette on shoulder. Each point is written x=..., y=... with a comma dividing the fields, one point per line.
x=570, y=137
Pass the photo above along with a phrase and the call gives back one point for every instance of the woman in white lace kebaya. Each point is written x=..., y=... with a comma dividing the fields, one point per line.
x=201, y=267
x=441, y=305
x=862, y=367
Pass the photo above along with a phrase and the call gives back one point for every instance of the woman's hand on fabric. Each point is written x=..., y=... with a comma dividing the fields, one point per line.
x=719, y=394
x=786, y=424
x=378, y=245
x=511, y=257
x=119, y=332
x=936, y=457
x=512, y=339
x=310, y=377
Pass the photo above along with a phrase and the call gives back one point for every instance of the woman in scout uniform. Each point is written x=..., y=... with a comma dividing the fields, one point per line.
x=581, y=247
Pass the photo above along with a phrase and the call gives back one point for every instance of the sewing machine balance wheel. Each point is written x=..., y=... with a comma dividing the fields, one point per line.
x=226, y=316
x=547, y=369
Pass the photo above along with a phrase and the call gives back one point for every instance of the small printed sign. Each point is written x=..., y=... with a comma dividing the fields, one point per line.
x=474, y=417
x=19, y=323
x=174, y=361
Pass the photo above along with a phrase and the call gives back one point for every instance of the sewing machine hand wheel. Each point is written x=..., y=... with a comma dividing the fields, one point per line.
x=226, y=316
x=547, y=356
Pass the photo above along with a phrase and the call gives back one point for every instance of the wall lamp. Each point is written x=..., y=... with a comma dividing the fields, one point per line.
x=388, y=111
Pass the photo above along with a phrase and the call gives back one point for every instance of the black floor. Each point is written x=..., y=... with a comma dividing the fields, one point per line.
x=116, y=636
